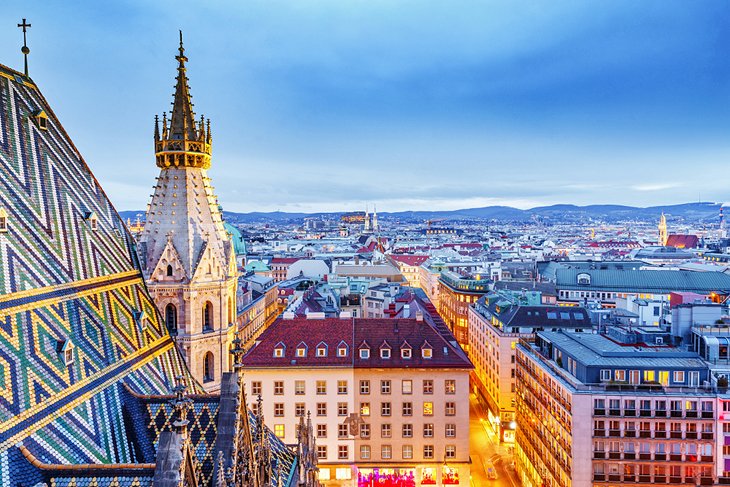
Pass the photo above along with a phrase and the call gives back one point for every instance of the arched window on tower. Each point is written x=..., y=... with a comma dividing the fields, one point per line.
x=169, y=270
x=208, y=316
x=171, y=318
x=230, y=310
x=208, y=372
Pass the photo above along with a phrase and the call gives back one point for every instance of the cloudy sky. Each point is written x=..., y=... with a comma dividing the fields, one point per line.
x=329, y=105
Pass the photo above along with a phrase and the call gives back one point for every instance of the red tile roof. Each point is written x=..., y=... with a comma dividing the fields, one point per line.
x=410, y=260
x=406, y=332
x=683, y=241
x=284, y=260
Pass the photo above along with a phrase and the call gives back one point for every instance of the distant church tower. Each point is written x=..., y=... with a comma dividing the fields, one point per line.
x=663, y=230
x=187, y=256
x=374, y=221
x=368, y=226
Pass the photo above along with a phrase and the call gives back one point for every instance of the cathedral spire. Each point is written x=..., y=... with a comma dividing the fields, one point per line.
x=184, y=142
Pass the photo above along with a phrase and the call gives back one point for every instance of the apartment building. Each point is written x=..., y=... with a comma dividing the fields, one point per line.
x=456, y=293
x=388, y=398
x=596, y=410
x=497, y=322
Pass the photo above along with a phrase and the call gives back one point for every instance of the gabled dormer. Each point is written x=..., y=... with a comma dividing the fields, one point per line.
x=426, y=350
x=140, y=317
x=321, y=349
x=279, y=350
x=363, y=350
x=342, y=349
x=40, y=118
x=65, y=350
x=385, y=350
x=93, y=220
x=406, y=351
x=301, y=350
x=3, y=220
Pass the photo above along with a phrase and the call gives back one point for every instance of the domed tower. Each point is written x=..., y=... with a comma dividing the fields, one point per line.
x=186, y=253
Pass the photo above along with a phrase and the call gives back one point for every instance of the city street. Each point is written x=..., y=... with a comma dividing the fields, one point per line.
x=483, y=447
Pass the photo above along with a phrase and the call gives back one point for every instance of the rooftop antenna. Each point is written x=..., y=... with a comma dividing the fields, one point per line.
x=25, y=49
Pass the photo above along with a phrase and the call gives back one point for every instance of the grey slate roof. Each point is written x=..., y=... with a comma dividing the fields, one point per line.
x=647, y=281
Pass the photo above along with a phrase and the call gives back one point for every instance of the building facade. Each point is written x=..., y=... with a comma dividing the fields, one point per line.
x=187, y=256
x=456, y=294
x=388, y=399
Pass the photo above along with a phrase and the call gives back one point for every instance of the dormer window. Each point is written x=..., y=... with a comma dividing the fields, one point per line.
x=301, y=350
x=364, y=353
x=342, y=349
x=584, y=279
x=66, y=352
x=3, y=220
x=427, y=352
x=141, y=318
x=90, y=216
x=41, y=119
x=322, y=350
x=405, y=353
x=279, y=350
x=385, y=353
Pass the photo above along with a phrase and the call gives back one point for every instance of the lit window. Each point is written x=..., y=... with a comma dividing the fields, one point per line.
x=301, y=351
x=3, y=220
x=364, y=409
x=428, y=408
x=279, y=430
x=322, y=351
x=343, y=473
x=341, y=387
x=450, y=386
x=342, y=351
x=299, y=387
x=426, y=353
x=407, y=387
x=323, y=473
x=679, y=376
x=321, y=387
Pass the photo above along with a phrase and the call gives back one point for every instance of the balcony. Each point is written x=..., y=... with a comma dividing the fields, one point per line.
x=677, y=435
x=645, y=412
x=644, y=434
x=675, y=480
x=660, y=413
x=660, y=434
x=629, y=412
x=629, y=456
x=599, y=433
x=614, y=477
x=644, y=456
x=708, y=414
x=676, y=414
x=614, y=412
x=660, y=456
x=675, y=457
x=660, y=479
x=691, y=435
x=599, y=477
x=630, y=433
x=599, y=454
x=614, y=455
x=599, y=412
x=691, y=414
x=614, y=432
x=707, y=458
x=644, y=478
x=708, y=436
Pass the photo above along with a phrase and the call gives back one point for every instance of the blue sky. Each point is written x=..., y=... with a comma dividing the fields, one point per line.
x=327, y=105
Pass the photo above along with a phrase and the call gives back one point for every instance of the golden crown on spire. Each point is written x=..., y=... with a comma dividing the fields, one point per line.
x=183, y=142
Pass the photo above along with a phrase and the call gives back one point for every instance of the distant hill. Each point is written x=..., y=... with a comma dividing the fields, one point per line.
x=701, y=212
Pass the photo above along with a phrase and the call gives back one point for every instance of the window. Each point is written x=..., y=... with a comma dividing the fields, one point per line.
x=299, y=409
x=385, y=353
x=256, y=388
x=279, y=409
x=426, y=353
x=299, y=387
x=407, y=430
x=321, y=431
x=323, y=473
x=407, y=386
x=3, y=220
x=364, y=353
x=405, y=353
x=364, y=387
x=364, y=409
x=428, y=386
x=679, y=376
x=428, y=452
x=605, y=375
x=322, y=455
x=171, y=318
x=450, y=451
x=321, y=350
x=407, y=452
x=342, y=431
x=428, y=408
x=385, y=430
x=321, y=387
x=279, y=351
x=341, y=409
x=301, y=350
x=279, y=387
x=279, y=430
x=428, y=430
x=385, y=387
x=341, y=387
x=342, y=351
x=649, y=376
x=364, y=430
x=450, y=386
x=619, y=375
x=365, y=452
x=450, y=430
x=343, y=473
x=208, y=372
x=386, y=452
x=450, y=409
x=321, y=409
x=385, y=409
x=208, y=317
x=407, y=409
x=169, y=271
